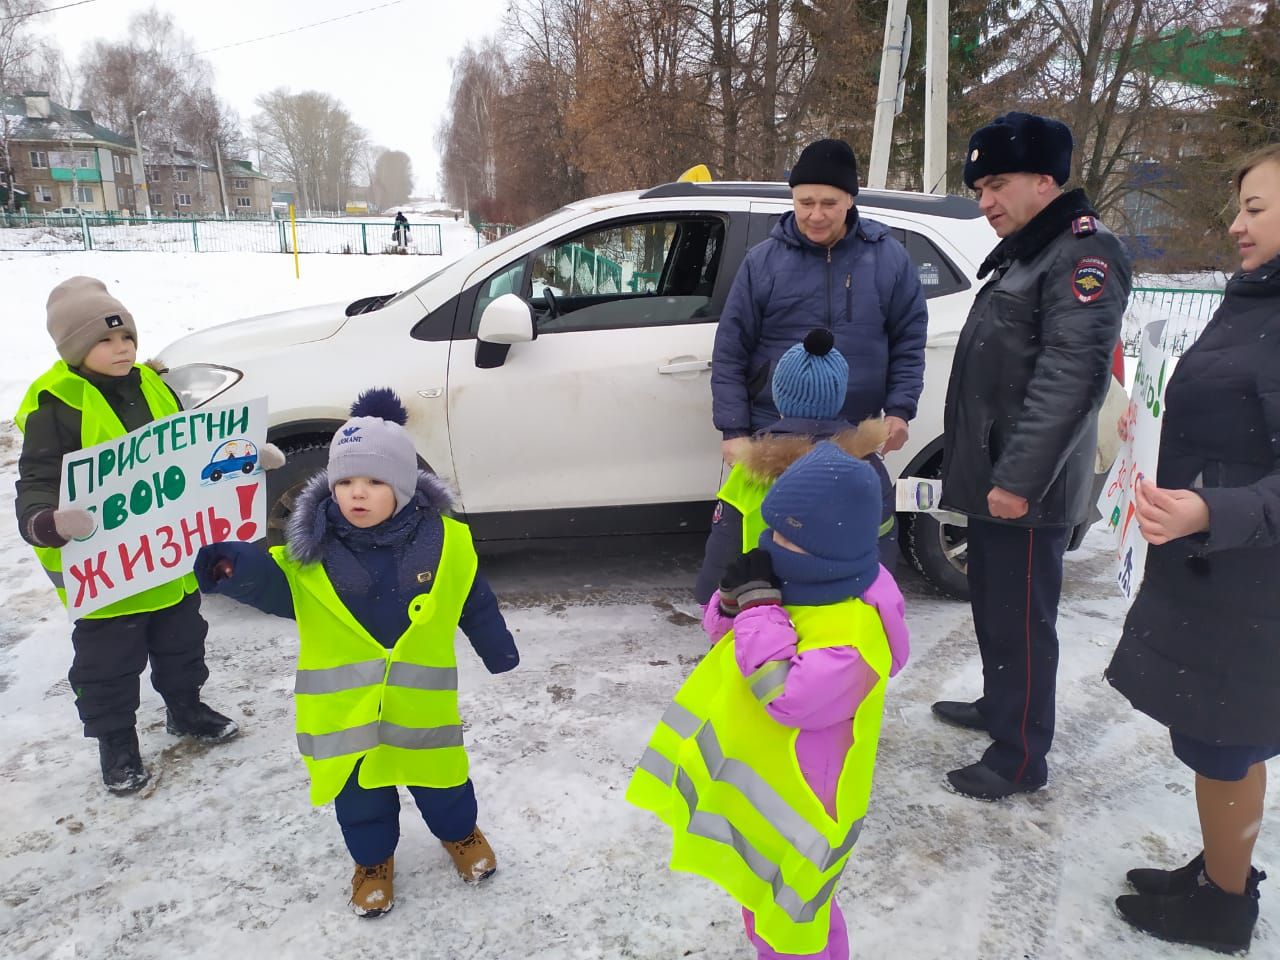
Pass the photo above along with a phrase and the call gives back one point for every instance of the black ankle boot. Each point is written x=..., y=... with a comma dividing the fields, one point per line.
x=1205, y=916
x=122, y=769
x=193, y=718
x=1182, y=880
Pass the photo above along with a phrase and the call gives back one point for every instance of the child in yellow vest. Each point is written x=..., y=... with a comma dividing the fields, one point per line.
x=762, y=766
x=379, y=579
x=94, y=393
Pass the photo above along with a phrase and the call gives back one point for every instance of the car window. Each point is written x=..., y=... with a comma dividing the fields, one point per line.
x=632, y=274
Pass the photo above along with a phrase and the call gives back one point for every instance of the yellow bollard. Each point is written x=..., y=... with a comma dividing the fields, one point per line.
x=293, y=227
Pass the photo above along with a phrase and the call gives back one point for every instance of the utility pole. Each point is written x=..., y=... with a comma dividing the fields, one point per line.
x=893, y=61
x=222, y=184
x=142, y=167
x=937, y=40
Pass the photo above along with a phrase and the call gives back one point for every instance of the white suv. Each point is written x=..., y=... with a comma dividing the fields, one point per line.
x=559, y=377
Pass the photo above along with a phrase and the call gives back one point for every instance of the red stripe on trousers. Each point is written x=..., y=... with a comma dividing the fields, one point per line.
x=1026, y=703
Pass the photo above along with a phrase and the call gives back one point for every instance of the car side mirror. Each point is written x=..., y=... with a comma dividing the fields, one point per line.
x=508, y=319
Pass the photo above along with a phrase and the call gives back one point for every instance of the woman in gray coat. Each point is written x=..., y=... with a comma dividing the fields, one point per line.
x=1201, y=645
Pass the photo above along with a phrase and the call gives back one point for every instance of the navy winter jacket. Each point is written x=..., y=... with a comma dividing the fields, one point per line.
x=865, y=289
x=373, y=571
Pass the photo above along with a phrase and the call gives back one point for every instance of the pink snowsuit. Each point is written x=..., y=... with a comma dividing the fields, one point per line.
x=820, y=697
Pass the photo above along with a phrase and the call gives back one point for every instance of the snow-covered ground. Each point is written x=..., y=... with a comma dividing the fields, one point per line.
x=222, y=854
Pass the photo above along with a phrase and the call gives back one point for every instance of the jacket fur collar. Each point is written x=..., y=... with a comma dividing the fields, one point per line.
x=770, y=454
x=1042, y=229
x=307, y=525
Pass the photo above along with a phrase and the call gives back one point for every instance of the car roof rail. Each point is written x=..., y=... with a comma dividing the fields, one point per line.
x=937, y=205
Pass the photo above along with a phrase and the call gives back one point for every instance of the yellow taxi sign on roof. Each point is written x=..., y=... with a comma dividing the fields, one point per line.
x=697, y=174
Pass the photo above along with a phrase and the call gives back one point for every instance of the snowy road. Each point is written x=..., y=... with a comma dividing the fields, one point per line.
x=224, y=856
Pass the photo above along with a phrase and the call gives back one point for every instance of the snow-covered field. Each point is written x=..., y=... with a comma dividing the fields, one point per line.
x=223, y=856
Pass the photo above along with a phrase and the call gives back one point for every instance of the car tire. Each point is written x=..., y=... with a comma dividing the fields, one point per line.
x=303, y=460
x=215, y=476
x=247, y=468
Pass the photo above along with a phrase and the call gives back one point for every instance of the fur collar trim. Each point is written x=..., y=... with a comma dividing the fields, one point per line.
x=307, y=525
x=770, y=454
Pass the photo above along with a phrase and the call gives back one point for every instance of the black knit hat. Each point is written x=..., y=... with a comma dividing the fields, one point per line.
x=1019, y=143
x=829, y=162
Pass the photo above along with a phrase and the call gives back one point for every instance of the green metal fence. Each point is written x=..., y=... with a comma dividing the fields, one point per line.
x=1186, y=309
x=207, y=235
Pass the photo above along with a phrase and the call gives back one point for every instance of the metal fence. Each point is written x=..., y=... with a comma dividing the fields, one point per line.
x=1186, y=309
x=198, y=235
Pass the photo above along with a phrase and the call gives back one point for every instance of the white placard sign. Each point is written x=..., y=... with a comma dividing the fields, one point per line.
x=1138, y=457
x=158, y=495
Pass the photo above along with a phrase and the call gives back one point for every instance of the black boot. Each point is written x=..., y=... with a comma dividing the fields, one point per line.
x=958, y=713
x=1206, y=916
x=122, y=769
x=190, y=717
x=1182, y=880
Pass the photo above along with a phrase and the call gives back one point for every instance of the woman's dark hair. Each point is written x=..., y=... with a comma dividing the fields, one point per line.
x=1257, y=158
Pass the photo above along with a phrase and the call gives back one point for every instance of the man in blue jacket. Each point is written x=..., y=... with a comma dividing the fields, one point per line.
x=824, y=265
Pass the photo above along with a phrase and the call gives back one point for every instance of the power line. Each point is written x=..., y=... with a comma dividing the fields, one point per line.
x=36, y=13
x=282, y=33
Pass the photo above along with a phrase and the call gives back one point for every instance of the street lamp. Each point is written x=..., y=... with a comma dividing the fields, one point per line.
x=142, y=165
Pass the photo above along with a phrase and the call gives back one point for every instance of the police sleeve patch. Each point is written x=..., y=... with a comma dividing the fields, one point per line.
x=1088, y=279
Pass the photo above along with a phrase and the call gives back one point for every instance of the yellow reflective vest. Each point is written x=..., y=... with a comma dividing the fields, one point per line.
x=397, y=708
x=745, y=492
x=98, y=424
x=724, y=776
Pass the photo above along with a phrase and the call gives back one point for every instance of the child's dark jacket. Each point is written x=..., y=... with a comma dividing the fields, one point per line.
x=375, y=571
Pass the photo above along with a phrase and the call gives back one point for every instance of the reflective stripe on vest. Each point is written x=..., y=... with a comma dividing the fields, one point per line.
x=98, y=424
x=724, y=776
x=396, y=710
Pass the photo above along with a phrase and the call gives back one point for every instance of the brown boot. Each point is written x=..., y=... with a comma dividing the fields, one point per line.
x=373, y=890
x=473, y=856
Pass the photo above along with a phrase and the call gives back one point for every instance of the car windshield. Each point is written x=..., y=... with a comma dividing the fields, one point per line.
x=481, y=254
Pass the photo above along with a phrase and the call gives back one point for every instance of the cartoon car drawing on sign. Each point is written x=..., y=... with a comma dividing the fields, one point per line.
x=234, y=456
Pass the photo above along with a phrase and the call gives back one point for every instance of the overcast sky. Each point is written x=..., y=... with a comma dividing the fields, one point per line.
x=389, y=66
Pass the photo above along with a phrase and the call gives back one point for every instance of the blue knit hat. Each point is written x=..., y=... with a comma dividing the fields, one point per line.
x=828, y=504
x=811, y=379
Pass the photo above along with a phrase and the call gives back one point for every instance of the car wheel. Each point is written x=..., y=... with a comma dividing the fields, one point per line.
x=939, y=551
x=304, y=459
x=215, y=476
x=247, y=468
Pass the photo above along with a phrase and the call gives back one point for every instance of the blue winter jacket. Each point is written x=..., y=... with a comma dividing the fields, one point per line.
x=865, y=289
x=373, y=571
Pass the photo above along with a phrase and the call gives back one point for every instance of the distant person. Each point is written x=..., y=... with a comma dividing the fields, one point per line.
x=1200, y=651
x=95, y=393
x=824, y=264
x=1031, y=369
x=400, y=232
x=379, y=579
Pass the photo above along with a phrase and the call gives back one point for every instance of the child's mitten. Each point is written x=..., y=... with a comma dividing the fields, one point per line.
x=749, y=582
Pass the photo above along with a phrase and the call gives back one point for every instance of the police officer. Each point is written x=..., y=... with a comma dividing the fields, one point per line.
x=1030, y=372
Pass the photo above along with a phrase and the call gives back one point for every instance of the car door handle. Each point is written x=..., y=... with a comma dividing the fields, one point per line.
x=941, y=340
x=685, y=366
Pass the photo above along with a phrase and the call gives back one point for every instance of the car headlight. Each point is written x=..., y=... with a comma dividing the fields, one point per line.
x=198, y=383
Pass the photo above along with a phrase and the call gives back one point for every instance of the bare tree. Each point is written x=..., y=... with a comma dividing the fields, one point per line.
x=392, y=181
x=310, y=138
x=19, y=62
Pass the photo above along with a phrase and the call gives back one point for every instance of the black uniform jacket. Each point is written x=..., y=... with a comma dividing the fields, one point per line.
x=1201, y=645
x=1032, y=367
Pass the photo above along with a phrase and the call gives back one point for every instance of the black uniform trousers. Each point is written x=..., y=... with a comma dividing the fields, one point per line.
x=1015, y=580
x=111, y=653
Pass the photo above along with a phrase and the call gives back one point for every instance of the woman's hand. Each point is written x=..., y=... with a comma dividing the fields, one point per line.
x=1165, y=515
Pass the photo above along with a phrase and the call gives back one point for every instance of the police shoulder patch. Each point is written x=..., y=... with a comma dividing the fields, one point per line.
x=1085, y=226
x=1088, y=279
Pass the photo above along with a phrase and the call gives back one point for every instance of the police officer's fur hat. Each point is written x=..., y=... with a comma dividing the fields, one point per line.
x=1019, y=143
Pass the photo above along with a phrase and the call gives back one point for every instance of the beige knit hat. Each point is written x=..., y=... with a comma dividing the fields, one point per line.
x=81, y=312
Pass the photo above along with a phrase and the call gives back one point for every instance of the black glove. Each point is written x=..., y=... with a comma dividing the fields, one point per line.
x=749, y=582
x=215, y=563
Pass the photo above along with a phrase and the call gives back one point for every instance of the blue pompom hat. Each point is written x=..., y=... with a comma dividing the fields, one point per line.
x=811, y=379
x=374, y=443
x=1019, y=143
x=828, y=504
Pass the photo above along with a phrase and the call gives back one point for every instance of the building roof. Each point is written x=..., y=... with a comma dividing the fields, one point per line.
x=61, y=125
